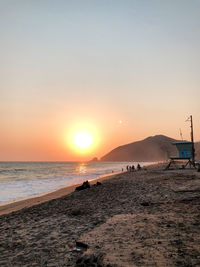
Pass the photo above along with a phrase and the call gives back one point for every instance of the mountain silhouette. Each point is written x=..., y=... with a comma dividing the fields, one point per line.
x=153, y=148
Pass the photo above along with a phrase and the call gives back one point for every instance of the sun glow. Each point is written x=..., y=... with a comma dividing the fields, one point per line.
x=83, y=140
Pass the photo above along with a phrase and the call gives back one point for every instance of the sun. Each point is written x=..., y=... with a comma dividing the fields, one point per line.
x=83, y=140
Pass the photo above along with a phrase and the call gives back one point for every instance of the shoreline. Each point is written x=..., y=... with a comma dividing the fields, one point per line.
x=18, y=204
x=15, y=205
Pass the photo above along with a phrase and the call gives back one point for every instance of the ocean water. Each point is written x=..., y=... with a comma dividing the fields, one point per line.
x=24, y=179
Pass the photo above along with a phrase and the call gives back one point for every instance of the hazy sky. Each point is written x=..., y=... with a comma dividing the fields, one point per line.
x=127, y=69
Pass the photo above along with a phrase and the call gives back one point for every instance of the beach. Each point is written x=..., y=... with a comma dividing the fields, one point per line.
x=145, y=218
x=12, y=206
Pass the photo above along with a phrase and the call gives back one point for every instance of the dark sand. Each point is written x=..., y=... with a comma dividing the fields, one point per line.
x=146, y=218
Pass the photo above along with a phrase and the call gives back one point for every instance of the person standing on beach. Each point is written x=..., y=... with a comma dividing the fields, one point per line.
x=138, y=167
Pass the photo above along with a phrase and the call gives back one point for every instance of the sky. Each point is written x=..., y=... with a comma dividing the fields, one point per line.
x=123, y=70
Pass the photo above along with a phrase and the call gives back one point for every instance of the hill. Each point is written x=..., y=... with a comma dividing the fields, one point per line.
x=153, y=148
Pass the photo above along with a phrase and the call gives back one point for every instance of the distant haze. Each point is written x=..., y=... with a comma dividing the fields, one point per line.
x=126, y=69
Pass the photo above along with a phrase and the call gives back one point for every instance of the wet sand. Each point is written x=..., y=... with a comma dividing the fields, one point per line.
x=145, y=218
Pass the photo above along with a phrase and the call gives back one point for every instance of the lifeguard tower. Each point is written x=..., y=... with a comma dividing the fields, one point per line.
x=186, y=152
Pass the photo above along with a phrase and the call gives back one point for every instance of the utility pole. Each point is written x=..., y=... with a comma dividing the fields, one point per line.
x=192, y=140
x=181, y=134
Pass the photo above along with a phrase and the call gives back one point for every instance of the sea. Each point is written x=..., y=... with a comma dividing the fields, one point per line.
x=19, y=180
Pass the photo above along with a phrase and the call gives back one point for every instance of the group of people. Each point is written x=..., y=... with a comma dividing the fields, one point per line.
x=132, y=168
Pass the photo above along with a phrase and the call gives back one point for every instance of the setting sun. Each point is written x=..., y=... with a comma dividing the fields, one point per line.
x=83, y=140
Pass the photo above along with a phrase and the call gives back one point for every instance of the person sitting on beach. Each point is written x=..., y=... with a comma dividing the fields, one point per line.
x=133, y=168
x=85, y=185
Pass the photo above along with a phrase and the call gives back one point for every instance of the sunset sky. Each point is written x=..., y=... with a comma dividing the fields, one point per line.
x=122, y=70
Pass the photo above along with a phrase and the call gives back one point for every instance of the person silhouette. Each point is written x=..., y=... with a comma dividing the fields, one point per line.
x=138, y=167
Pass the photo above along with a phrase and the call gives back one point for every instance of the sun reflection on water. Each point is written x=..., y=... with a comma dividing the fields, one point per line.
x=82, y=168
